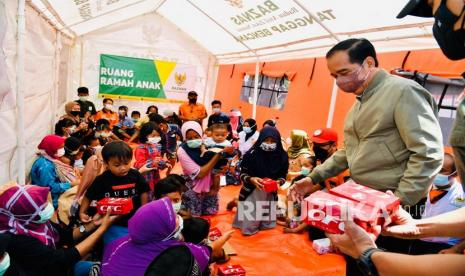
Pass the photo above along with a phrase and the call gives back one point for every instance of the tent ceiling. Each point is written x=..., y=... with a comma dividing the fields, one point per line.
x=234, y=30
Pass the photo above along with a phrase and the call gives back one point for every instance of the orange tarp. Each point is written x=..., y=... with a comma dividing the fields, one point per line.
x=272, y=252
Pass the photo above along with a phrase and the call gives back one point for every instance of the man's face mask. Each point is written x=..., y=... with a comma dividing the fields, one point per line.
x=83, y=98
x=353, y=81
x=193, y=100
x=451, y=42
x=320, y=153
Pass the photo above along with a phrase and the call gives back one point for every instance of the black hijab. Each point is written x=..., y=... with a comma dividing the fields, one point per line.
x=271, y=164
x=253, y=125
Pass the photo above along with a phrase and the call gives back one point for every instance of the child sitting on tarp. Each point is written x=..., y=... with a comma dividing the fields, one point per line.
x=216, y=144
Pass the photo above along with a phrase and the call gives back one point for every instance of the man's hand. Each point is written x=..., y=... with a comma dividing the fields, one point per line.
x=403, y=226
x=354, y=241
x=300, y=188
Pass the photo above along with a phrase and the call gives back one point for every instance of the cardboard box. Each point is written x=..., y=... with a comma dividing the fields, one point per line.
x=328, y=212
x=118, y=206
x=231, y=270
x=270, y=185
x=369, y=196
x=322, y=246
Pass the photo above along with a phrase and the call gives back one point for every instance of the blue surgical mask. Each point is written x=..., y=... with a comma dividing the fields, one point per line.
x=441, y=180
x=268, y=147
x=46, y=214
x=194, y=144
x=4, y=264
x=305, y=171
x=247, y=129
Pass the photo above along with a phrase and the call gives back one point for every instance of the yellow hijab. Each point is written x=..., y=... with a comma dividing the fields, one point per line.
x=299, y=144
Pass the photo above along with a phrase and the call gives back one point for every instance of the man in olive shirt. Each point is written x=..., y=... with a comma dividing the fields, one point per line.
x=392, y=136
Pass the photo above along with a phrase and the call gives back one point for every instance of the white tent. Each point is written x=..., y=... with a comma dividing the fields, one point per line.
x=59, y=49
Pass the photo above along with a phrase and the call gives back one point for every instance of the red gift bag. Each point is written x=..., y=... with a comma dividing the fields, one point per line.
x=270, y=185
x=231, y=270
x=214, y=234
x=118, y=206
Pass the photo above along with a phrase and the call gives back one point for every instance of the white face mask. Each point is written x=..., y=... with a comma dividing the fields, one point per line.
x=60, y=152
x=5, y=263
x=121, y=112
x=108, y=106
x=216, y=110
x=177, y=233
x=105, y=134
x=96, y=148
x=268, y=147
x=177, y=207
x=154, y=140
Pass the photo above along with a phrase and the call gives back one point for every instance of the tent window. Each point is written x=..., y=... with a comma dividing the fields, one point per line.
x=272, y=92
x=445, y=92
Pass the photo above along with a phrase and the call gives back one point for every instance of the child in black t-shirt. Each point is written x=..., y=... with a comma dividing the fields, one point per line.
x=119, y=180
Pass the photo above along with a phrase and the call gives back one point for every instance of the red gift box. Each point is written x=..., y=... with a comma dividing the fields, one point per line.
x=234, y=270
x=118, y=206
x=214, y=234
x=372, y=197
x=325, y=211
x=270, y=185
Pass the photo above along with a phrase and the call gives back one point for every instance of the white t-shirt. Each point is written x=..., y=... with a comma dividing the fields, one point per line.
x=244, y=145
x=453, y=200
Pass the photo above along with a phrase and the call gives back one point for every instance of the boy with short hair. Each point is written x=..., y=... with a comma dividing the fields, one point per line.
x=118, y=181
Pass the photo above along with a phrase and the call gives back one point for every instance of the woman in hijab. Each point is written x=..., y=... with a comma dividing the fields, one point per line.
x=154, y=228
x=266, y=159
x=72, y=110
x=301, y=158
x=44, y=169
x=248, y=136
x=198, y=170
x=35, y=244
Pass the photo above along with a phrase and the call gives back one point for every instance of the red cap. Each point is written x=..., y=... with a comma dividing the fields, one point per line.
x=324, y=135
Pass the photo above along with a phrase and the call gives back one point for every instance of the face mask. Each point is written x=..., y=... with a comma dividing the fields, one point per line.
x=216, y=110
x=83, y=98
x=5, y=263
x=46, y=214
x=121, y=112
x=268, y=147
x=442, y=179
x=452, y=43
x=194, y=144
x=177, y=233
x=60, y=152
x=97, y=134
x=154, y=140
x=178, y=143
x=135, y=120
x=105, y=134
x=108, y=107
x=305, y=171
x=247, y=130
x=75, y=113
x=320, y=154
x=351, y=82
x=192, y=101
x=177, y=207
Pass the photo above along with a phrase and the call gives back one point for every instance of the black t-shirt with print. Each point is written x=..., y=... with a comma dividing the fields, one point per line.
x=131, y=185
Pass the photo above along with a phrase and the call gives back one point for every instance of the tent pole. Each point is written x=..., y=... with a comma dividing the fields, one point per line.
x=255, y=88
x=81, y=63
x=21, y=141
x=332, y=105
x=54, y=98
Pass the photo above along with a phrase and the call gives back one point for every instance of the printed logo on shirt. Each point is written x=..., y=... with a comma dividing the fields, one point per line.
x=124, y=186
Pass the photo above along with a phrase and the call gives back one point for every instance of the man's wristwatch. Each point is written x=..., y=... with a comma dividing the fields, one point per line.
x=365, y=264
x=82, y=229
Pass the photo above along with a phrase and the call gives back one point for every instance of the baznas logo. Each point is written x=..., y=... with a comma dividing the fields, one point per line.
x=235, y=3
x=180, y=78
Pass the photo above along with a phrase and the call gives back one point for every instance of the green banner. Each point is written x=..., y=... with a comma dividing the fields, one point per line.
x=130, y=77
